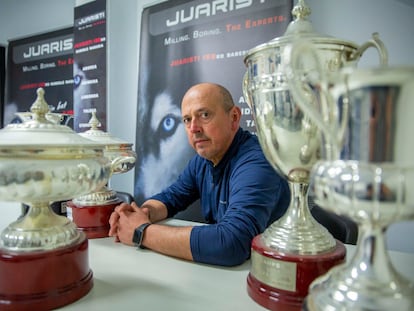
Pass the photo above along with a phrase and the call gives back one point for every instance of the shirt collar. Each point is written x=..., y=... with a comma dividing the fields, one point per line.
x=218, y=169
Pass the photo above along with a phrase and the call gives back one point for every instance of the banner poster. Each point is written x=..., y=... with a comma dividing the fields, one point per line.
x=89, y=68
x=2, y=81
x=42, y=60
x=184, y=43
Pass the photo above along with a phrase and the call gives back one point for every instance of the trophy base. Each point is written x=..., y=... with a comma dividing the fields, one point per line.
x=44, y=280
x=343, y=288
x=92, y=220
x=280, y=281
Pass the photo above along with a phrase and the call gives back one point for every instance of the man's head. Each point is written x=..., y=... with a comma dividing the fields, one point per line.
x=211, y=120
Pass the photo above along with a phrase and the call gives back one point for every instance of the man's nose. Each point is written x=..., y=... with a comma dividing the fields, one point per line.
x=195, y=125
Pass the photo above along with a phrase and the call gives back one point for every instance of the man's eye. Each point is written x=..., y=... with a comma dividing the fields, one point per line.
x=186, y=120
x=204, y=115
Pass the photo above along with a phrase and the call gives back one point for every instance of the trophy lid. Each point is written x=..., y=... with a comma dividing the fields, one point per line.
x=102, y=137
x=301, y=28
x=39, y=130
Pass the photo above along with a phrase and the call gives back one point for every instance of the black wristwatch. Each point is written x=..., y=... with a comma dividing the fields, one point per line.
x=139, y=235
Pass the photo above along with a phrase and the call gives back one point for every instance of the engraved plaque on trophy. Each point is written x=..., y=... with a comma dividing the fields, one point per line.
x=295, y=249
x=43, y=257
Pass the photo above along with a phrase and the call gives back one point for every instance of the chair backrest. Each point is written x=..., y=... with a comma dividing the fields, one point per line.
x=192, y=213
x=341, y=227
x=125, y=197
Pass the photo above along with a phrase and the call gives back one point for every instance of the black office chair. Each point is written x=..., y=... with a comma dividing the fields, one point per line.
x=342, y=228
x=125, y=197
x=192, y=213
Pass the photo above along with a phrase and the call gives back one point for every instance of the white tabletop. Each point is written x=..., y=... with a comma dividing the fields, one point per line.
x=130, y=279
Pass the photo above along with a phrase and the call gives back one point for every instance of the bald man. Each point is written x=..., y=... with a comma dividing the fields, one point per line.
x=240, y=193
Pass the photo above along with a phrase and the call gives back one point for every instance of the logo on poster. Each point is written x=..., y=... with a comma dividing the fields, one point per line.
x=207, y=9
x=48, y=48
x=192, y=13
x=90, y=19
x=42, y=49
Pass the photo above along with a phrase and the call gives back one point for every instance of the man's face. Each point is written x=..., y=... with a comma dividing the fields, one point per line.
x=210, y=129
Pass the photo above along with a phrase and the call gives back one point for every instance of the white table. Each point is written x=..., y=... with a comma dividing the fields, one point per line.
x=131, y=279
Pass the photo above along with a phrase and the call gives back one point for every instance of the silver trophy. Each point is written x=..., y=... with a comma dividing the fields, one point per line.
x=43, y=257
x=295, y=249
x=367, y=174
x=91, y=212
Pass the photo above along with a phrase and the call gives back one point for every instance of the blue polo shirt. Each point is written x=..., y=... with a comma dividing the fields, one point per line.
x=239, y=198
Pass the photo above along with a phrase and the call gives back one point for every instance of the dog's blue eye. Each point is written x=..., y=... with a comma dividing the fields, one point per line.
x=168, y=126
x=77, y=79
x=168, y=123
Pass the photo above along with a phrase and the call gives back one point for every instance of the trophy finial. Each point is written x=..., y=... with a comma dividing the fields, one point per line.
x=40, y=107
x=300, y=24
x=94, y=121
x=301, y=10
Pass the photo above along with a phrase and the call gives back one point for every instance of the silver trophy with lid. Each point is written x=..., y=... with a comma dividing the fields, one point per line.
x=43, y=257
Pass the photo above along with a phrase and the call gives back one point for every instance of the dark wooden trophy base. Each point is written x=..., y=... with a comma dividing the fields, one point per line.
x=293, y=272
x=92, y=220
x=44, y=280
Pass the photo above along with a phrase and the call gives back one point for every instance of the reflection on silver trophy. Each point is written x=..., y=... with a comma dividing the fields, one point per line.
x=367, y=174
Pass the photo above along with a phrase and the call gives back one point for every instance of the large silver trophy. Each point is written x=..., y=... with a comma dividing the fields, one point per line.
x=43, y=257
x=367, y=174
x=91, y=212
x=296, y=249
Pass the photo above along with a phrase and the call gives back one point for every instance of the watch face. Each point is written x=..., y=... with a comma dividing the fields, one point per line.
x=139, y=234
x=137, y=237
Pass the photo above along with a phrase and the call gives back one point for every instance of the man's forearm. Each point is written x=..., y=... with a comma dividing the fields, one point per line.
x=169, y=240
x=157, y=210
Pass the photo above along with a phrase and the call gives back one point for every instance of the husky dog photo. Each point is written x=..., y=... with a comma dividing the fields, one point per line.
x=184, y=43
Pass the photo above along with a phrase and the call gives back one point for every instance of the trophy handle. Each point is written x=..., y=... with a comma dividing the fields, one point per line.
x=246, y=90
x=123, y=164
x=306, y=78
x=311, y=88
x=375, y=42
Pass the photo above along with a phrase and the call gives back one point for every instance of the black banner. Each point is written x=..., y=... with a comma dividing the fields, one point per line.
x=89, y=68
x=184, y=43
x=43, y=60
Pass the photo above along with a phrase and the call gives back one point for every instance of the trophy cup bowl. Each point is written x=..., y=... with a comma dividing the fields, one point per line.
x=91, y=212
x=367, y=174
x=59, y=207
x=295, y=249
x=43, y=257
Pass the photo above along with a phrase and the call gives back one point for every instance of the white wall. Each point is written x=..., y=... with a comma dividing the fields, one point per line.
x=356, y=20
x=22, y=18
x=353, y=20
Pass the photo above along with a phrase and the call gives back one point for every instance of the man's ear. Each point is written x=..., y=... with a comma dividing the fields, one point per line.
x=236, y=115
